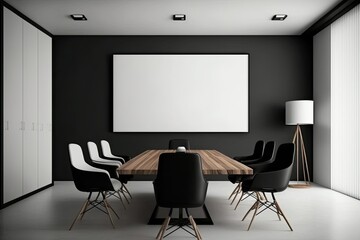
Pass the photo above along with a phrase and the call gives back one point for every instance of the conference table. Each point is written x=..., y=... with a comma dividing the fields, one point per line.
x=213, y=163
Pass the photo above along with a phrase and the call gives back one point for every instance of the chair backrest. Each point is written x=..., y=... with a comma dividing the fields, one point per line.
x=180, y=182
x=93, y=151
x=258, y=149
x=175, y=143
x=105, y=147
x=78, y=161
x=284, y=157
x=276, y=176
x=269, y=151
x=106, y=150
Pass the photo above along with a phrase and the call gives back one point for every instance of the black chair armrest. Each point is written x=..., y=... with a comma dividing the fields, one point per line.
x=250, y=161
x=243, y=158
x=89, y=181
x=274, y=181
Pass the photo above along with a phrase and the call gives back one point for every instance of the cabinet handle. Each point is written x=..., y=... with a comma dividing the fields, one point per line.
x=7, y=125
x=33, y=126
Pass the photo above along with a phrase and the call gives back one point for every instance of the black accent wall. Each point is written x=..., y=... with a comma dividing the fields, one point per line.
x=280, y=70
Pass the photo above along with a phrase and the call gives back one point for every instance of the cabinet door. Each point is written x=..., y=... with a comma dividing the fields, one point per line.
x=30, y=86
x=12, y=106
x=44, y=110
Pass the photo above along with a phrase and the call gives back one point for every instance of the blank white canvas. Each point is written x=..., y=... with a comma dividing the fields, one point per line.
x=180, y=93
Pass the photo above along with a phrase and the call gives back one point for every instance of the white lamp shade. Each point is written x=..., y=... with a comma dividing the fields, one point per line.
x=299, y=112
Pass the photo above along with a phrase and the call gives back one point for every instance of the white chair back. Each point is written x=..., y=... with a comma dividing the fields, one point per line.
x=93, y=151
x=78, y=161
x=95, y=157
x=105, y=147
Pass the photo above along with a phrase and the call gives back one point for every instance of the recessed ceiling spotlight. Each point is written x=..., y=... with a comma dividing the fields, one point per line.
x=78, y=17
x=279, y=17
x=179, y=17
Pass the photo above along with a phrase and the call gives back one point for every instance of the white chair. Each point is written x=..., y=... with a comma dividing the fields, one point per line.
x=95, y=158
x=90, y=179
x=106, y=150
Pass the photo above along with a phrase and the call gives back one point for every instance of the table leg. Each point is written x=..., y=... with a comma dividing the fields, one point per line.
x=154, y=220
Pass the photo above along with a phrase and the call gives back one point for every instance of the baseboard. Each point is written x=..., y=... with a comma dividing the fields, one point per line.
x=4, y=205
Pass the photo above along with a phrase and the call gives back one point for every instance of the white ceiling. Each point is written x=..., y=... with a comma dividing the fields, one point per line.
x=154, y=17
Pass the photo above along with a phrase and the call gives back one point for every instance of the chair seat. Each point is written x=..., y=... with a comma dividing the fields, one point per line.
x=116, y=184
x=234, y=178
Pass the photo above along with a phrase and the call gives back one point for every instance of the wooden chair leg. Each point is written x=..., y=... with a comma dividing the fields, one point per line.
x=107, y=209
x=80, y=213
x=282, y=214
x=256, y=209
x=234, y=191
x=122, y=190
x=110, y=207
x=84, y=209
x=163, y=228
x=122, y=202
x=237, y=193
x=242, y=194
x=247, y=213
x=196, y=230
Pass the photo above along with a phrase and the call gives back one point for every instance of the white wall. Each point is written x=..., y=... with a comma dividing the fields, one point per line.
x=345, y=103
x=337, y=110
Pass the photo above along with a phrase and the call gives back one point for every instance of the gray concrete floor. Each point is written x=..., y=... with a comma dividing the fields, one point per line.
x=314, y=213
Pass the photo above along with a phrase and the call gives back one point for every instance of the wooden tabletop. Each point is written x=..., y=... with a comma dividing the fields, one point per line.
x=213, y=162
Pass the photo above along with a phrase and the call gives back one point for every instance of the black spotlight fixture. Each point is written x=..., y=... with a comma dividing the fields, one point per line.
x=179, y=17
x=78, y=17
x=279, y=17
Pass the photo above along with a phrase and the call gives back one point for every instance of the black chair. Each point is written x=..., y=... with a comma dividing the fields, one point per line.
x=258, y=152
x=96, y=159
x=107, y=153
x=90, y=179
x=180, y=183
x=274, y=178
x=175, y=143
x=256, y=164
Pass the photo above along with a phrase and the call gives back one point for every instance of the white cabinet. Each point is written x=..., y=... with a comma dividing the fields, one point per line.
x=27, y=108
x=44, y=107
x=12, y=106
x=30, y=119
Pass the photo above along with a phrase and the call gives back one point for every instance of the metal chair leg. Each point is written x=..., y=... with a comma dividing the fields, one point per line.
x=87, y=204
x=127, y=191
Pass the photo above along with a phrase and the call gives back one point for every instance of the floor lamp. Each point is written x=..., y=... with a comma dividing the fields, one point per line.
x=300, y=112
